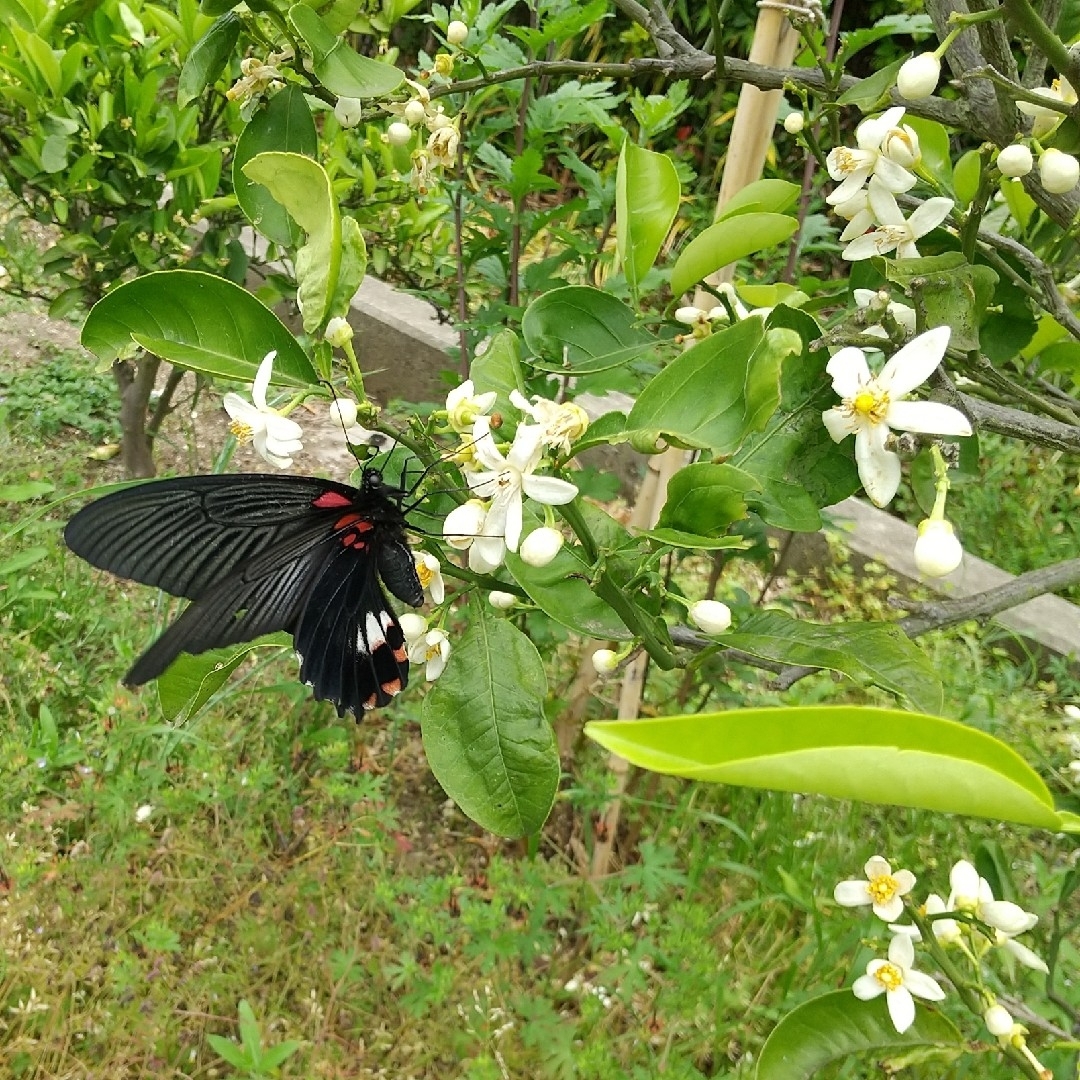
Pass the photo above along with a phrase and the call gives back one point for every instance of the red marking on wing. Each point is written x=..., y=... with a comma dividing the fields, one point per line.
x=331, y=500
x=356, y=525
x=400, y=655
x=371, y=702
x=392, y=687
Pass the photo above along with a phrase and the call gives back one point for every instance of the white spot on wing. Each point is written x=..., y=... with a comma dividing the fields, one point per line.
x=375, y=636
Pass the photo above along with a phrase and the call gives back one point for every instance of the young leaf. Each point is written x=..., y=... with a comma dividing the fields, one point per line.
x=199, y=321
x=705, y=499
x=837, y=1025
x=487, y=739
x=208, y=58
x=339, y=68
x=284, y=125
x=646, y=201
x=881, y=756
x=498, y=368
x=730, y=239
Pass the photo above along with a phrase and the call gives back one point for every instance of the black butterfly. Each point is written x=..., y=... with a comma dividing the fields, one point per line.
x=259, y=553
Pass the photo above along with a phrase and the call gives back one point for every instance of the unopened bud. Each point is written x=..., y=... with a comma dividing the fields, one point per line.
x=457, y=32
x=605, y=661
x=541, y=546
x=398, y=133
x=794, y=123
x=347, y=111
x=937, y=550
x=918, y=77
x=712, y=616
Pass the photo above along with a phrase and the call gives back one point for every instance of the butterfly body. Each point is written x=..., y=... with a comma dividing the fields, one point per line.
x=260, y=553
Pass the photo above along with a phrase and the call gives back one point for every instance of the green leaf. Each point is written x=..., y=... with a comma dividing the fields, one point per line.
x=730, y=239
x=677, y=538
x=24, y=492
x=54, y=153
x=880, y=653
x=577, y=330
x=229, y=1052
x=881, y=756
x=487, y=739
x=607, y=429
x=191, y=681
x=934, y=147
x=303, y=188
x=208, y=58
x=966, y=176
x=797, y=465
x=199, y=321
x=770, y=196
x=704, y=498
x=284, y=125
x=339, y=68
x=838, y=1025
x=23, y=561
x=647, y=195
x=250, y=1034
x=1021, y=204
x=498, y=368
x=712, y=395
x=866, y=93
x=40, y=57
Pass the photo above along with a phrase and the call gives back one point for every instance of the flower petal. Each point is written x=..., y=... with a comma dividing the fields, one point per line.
x=487, y=453
x=839, y=424
x=929, y=216
x=901, y=1006
x=281, y=427
x=877, y=866
x=964, y=879
x=549, y=490
x=524, y=452
x=849, y=371
x=883, y=204
x=867, y=987
x=241, y=409
x=879, y=469
x=915, y=362
x=927, y=417
x=851, y=894
x=891, y=910
x=892, y=176
x=902, y=951
x=1025, y=956
x=262, y=380
x=922, y=985
x=869, y=245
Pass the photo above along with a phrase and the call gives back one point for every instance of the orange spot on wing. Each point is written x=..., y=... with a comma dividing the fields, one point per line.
x=392, y=687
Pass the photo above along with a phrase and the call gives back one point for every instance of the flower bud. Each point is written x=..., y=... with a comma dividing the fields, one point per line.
x=343, y=411
x=901, y=145
x=338, y=332
x=711, y=616
x=398, y=133
x=415, y=112
x=1072, y=712
x=501, y=601
x=1015, y=160
x=413, y=626
x=456, y=32
x=541, y=546
x=918, y=77
x=463, y=524
x=347, y=111
x=998, y=1021
x=605, y=661
x=937, y=551
x=1058, y=172
x=794, y=123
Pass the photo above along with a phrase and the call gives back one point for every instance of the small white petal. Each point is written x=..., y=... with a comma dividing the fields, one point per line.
x=901, y=1006
x=549, y=490
x=1025, y=956
x=849, y=371
x=839, y=424
x=852, y=894
x=927, y=417
x=262, y=380
x=866, y=987
x=879, y=469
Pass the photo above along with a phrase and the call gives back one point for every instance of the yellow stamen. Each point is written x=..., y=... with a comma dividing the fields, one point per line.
x=882, y=888
x=890, y=976
x=241, y=431
x=871, y=403
x=425, y=574
x=845, y=161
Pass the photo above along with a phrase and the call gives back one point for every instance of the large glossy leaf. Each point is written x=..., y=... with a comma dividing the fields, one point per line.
x=881, y=756
x=487, y=739
x=798, y=467
x=303, y=188
x=712, y=395
x=285, y=125
x=576, y=330
x=838, y=1025
x=208, y=58
x=730, y=239
x=646, y=201
x=198, y=321
x=498, y=368
x=705, y=498
x=770, y=196
x=342, y=70
x=879, y=653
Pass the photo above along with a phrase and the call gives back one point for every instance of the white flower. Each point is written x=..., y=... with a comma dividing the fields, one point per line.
x=605, y=661
x=882, y=888
x=937, y=550
x=794, y=122
x=275, y=437
x=1058, y=172
x=541, y=546
x=897, y=979
x=947, y=931
x=432, y=650
x=501, y=601
x=1072, y=712
x=443, y=143
x=893, y=230
x=338, y=332
x=901, y=313
x=143, y=813
x=999, y=1021
x=1044, y=120
x=505, y=480
x=711, y=616
x=456, y=32
x=1015, y=160
x=560, y=424
x=874, y=404
x=854, y=167
x=918, y=77
x=463, y=524
x=347, y=111
x=343, y=411
x=464, y=405
x=430, y=574
x=413, y=626
x=398, y=133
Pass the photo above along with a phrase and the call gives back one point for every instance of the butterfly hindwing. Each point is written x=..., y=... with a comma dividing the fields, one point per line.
x=259, y=553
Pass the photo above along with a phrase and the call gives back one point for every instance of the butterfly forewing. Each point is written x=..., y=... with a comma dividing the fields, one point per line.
x=259, y=553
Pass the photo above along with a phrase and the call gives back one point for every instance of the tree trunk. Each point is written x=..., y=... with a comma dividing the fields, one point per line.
x=135, y=380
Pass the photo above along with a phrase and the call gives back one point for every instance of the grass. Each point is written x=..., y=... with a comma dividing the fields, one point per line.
x=314, y=870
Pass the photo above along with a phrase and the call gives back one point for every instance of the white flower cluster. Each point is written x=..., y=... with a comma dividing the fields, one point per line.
x=871, y=176
x=490, y=523
x=444, y=132
x=997, y=924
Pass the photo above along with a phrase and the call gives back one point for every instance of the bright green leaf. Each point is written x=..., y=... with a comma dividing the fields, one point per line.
x=966, y=175
x=498, y=368
x=705, y=498
x=867, y=93
x=647, y=195
x=208, y=58
x=340, y=69
x=881, y=756
x=730, y=239
x=839, y=1025
x=199, y=321
x=770, y=196
x=487, y=739
x=24, y=492
x=23, y=561
x=694, y=541
x=934, y=147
